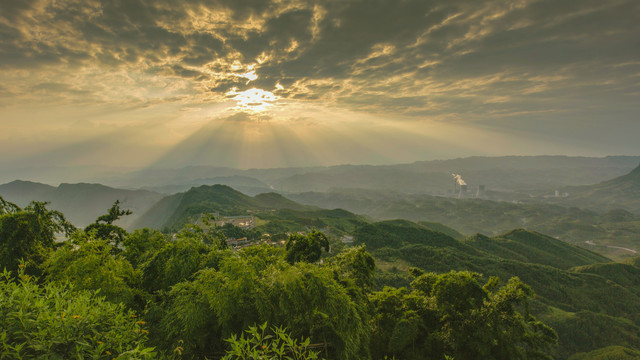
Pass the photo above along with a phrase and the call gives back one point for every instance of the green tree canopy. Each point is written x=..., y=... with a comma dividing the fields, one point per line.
x=90, y=264
x=452, y=314
x=141, y=244
x=306, y=248
x=257, y=285
x=29, y=234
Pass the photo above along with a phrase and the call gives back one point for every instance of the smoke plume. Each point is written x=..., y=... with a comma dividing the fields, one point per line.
x=459, y=179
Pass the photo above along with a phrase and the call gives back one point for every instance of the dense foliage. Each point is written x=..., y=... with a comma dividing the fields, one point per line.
x=454, y=315
x=307, y=248
x=273, y=345
x=184, y=293
x=28, y=234
x=57, y=321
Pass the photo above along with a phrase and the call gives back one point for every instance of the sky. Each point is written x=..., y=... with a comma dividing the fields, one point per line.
x=129, y=84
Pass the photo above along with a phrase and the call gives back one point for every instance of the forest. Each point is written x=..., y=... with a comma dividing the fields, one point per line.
x=106, y=293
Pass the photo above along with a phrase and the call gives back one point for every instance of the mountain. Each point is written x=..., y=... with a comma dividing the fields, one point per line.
x=507, y=173
x=443, y=229
x=366, y=177
x=526, y=174
x=399, y=233
x=613, y=233
x=593, y=307
x=200, y=175
x=176, y=210
x=81, y=203
x=622, y=192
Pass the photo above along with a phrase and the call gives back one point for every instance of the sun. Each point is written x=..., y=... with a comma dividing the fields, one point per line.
x=253, y=100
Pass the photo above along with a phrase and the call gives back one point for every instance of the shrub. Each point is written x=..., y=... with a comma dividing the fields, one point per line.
x=55, y=322
x=277, y=345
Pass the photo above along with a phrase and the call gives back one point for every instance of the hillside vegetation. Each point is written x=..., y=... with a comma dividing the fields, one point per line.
x=581, y=294
x=275, y=213
x=587, y=228
x=181, y=296
x=403, y=289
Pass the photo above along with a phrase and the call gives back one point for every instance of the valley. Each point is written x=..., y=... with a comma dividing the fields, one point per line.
x=581, y=262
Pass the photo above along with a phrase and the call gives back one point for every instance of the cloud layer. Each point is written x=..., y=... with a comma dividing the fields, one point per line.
x=540, y=66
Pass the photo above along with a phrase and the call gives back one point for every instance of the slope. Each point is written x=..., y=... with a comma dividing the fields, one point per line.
x=600, y=232
x=533, y=247
x=622, y=192
x=581, y=303
x=174, y=211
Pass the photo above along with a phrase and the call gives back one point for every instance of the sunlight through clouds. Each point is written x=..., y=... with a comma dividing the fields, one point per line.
x=253, y=100
x=346, y=70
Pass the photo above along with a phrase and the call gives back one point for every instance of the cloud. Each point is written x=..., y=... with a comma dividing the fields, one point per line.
x=416, y=58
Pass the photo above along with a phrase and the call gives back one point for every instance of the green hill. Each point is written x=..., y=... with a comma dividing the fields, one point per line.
x=159, y=213
x=622, y=192
x=277, y=201
x=337, y=221
x=533, y=247
x=591, y=306
x=174, y=211
x=608, y=353
x=399, y=233
x=443, y=229
x=616, y=228
x=627, y=275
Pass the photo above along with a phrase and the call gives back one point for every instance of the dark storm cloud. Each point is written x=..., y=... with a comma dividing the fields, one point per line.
x=403, y=56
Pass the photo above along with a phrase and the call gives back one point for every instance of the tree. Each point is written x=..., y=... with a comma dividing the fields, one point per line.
x=256, y=285
x=90, y=264
x=142, y=244
x=104, y=227
x=174, y=262
x=452, y=314
x=210, y=237
x=306, y=248
x=355, y=265
x=29, y=234
x=7, y=207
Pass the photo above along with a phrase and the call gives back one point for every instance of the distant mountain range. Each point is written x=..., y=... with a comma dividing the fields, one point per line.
x=602, y=224
x=508, y=173
x=81, y=203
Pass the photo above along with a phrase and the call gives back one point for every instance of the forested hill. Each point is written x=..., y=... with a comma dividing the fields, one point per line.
x=174, y=211
x=582, y=294
x=607, y=232
x=82, y=203
x=403, y=289
x=533, y=247
x=622, y=192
